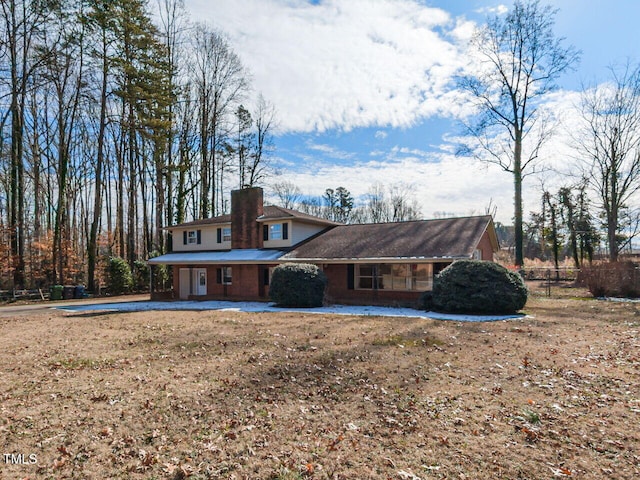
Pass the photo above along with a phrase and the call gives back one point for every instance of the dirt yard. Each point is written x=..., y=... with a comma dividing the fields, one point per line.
x=173, y=395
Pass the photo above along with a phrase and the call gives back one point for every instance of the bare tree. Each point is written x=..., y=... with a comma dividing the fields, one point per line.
x=376, y=206
x=610, y=147
x=287, y=193
x=520, y=60
x=220, y=82
x=403, y=207
x=173, y=20
x=243, y=142
x=265, y=117
x=97, y=19
x=22, y=23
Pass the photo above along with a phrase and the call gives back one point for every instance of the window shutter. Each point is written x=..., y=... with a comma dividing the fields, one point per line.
x=184, y=237
x=219, y=235
x=265, y=232
x=199, y=238
x=350, y=276
x=265, y=276
x=285, y=231
x=218, y=275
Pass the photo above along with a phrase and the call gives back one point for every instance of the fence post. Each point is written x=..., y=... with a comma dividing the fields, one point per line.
x=548, y=282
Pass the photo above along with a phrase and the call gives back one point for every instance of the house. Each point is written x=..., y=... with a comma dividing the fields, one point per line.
x=232, y=256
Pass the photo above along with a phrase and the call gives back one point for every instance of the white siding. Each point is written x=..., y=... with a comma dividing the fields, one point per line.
x=302, y=231
x=208, y=239
x=298, y=232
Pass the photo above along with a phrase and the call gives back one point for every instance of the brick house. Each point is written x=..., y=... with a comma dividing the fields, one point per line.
x=232, y=256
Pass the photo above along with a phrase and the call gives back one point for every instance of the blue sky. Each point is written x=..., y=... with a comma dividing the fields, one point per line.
x=364, y=95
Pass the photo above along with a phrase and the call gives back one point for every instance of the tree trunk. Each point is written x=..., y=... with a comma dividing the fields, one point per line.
x=92, y=248
x=517, y=180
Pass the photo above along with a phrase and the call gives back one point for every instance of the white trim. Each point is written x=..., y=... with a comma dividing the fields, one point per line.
x=329, y=261
x=265, y=256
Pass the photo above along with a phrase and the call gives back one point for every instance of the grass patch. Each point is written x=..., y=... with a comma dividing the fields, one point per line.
x=75, y=363
x=404, y=341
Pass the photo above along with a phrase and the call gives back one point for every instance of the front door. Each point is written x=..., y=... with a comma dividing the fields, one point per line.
x=201, y=281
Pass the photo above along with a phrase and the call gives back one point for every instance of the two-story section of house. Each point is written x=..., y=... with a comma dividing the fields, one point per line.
x=232, y=256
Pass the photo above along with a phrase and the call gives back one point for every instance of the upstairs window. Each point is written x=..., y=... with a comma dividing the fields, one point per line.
x=191, y=237
x=275, y=231
x=226, y=234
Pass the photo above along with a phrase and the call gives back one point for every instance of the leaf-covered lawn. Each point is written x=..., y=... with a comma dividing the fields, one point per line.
x=171, y=395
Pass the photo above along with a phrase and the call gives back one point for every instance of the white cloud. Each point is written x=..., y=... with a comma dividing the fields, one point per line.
x=446, y=183
x=381, y=135
x=497, y=10
x=341, y=64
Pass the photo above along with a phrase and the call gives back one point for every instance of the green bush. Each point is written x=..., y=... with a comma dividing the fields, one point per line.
x=297, y=285
x=119, y=278
x=478, y=287
x=426, y=300
x=159, y=273
x=140, y=275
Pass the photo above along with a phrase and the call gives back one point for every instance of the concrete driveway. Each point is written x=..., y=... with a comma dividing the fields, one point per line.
x=40, y=308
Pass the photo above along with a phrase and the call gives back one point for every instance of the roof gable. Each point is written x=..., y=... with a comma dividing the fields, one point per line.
x=440, y=238
x=273, y=212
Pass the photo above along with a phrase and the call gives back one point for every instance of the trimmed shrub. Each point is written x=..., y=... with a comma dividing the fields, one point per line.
x=297, y=285
x=616, y=279
x=478, y=287
x=119, y=278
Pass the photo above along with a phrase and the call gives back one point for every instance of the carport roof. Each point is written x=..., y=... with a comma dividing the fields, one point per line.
x=223, y=257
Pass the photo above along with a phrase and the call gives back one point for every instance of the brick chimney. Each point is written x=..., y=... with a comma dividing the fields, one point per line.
x=246, y=207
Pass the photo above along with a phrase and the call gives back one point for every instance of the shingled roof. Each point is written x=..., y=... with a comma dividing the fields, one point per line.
x=425, y=239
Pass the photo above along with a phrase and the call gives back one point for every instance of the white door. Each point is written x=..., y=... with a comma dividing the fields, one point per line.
x=185, y=283
x=201, y=281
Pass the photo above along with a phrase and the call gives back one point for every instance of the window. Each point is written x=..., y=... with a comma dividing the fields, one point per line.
x=368, y=277
x=275, y=231
x=477, y=254
x=422, y=277
x=401, y=276
x=226, y=275
x=192, y=237
x=226, y=234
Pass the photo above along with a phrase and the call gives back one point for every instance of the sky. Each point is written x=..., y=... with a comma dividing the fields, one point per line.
x=364, y=94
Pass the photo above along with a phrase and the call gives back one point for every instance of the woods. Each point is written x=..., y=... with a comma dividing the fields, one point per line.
x=117, y=120
x=121, y=117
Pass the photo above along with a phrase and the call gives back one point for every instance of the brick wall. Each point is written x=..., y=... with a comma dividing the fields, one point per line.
x=486, y=247
x=246, y=207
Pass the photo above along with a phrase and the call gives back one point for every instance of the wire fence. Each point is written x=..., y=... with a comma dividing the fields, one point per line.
x=565, y=274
